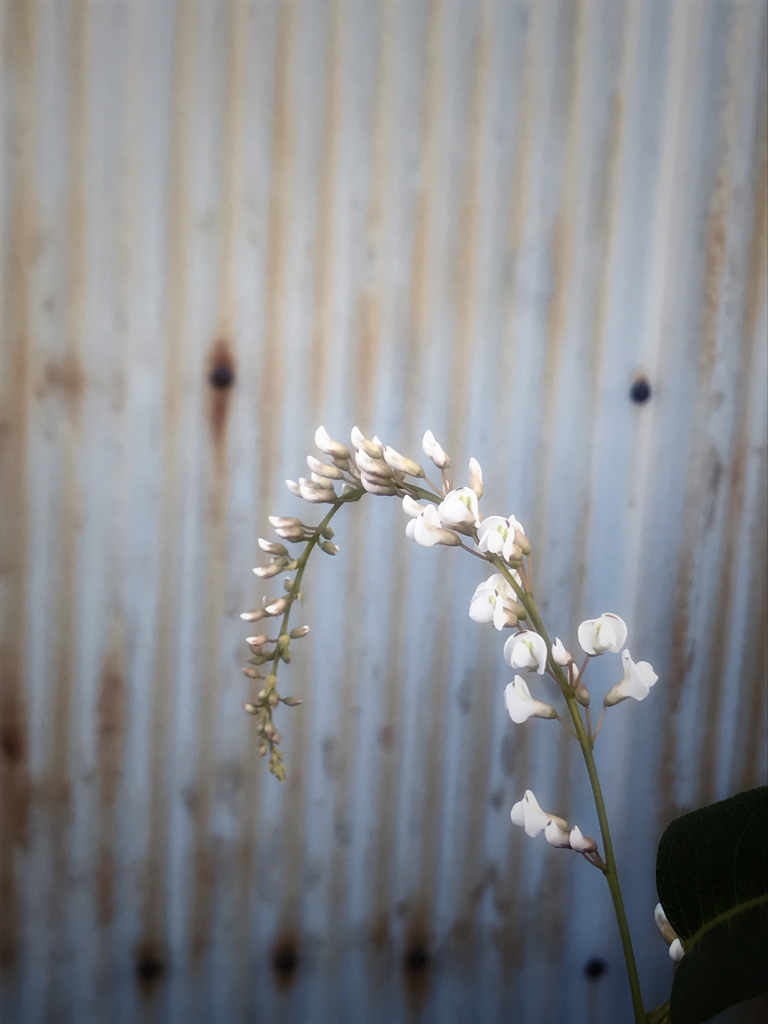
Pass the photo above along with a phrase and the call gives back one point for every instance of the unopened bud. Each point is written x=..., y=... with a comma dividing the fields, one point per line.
x=276, y=606
x=298, y=632
x=285, y=522
x=433, y=450
x=581, y=843
x=361, y=442
x=273, y=700
x=328, y=533
x=269, y=730
x=326, y=444
x=375, y=486
x=582, y=694
x=251, y=709
x=266, y=572
x=293, y=487
x=476, y=477
x=258, y=641
x=329, y=548
x=315, y=494
x=402, y=464
x=292, y=702
x=521, y=541
x=263, y=748
x=323, y=470
x=272, y=547
x=250, y=672
x=374, y=467
x=255, y=615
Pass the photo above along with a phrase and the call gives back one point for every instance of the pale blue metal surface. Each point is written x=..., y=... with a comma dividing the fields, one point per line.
x=484, y=218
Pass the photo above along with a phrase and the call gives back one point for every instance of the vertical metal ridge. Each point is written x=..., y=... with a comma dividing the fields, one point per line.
x=152, y=942
x=15, y=395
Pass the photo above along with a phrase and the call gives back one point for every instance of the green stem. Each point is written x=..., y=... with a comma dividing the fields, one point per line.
x=610, y=872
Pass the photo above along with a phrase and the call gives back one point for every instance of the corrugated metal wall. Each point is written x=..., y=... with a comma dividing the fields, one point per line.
x=479, y=216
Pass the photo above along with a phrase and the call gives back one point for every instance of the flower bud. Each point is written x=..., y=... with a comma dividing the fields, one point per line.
x=250, y=672
x=294, y=487
x=292, y=702
x=273, y=700
x=557, y=836
x=329, y=548
x=251, y=709
x=581, y=843
x=361, y=443
x=676, y=951
x=310, y=491
x=276, y=606
x=285, y=522
x=374, y=485
x=266, y=572
x=433, y=451
x=326, y=444
x=582, y=694
x=254, y=616
x=298, y=631
x=272, y=547
x=328, y=533
x=322, y=469
x=402, y=464
x=476, y=477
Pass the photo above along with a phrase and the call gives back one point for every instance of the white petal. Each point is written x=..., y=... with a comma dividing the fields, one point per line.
x=517, y=814
x=556, y=836
x=535, y=819
x=659, y=916
x=676, y=951
x=476, y=477
x=581, y=843
x=412, y=508
x=559, y=653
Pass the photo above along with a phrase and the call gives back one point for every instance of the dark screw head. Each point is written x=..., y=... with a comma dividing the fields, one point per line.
x=640, y=391
x=149, y=967
x=221, y=376
x=416, y=959
x=595, y=968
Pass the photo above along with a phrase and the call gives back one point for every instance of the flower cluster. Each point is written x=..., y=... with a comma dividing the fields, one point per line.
x=528, y=814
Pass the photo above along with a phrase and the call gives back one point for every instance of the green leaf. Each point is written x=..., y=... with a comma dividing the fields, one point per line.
x=712, y=880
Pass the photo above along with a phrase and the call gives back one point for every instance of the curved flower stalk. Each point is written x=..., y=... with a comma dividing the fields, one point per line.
x=441, y=515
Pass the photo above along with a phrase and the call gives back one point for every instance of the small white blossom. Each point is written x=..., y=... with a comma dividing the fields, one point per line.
x=526, y=650
x=427, y=530
x=500, y=536
x=527, y=813
x=520, y=704
x=638, y=679
x=660, y=917
x=433, y=451
x=459, y=507
x=494, y=601
x=374, y=467
x=606, y=633
x=581, y=843
x=559, y=654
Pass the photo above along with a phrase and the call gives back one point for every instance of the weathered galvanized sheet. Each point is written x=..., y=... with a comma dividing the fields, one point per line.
x=487, y=218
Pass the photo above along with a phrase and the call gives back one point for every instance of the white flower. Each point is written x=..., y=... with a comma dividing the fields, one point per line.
x=607, y=633
x=498, y=536
x=638, y=679
x=459, y=507
x=476, y=477
x=660, y=917
x=427, y=531
x=521, y=705
x=527, y=813
x=433, y=450
x=494, y=601
x=581, y=843
x=557, y=836
x=526, y=650
x=559, y=654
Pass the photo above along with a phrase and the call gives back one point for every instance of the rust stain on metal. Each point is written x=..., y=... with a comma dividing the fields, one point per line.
x=285, y=960
x=417, y=964
x=110, y=714
x=63, y=377
x=14, y=535
x=221, y=378
x=150, y=967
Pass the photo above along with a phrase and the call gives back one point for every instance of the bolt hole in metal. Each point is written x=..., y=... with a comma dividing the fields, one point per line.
x=595, y=968
x=640, y=389
x=221, y=376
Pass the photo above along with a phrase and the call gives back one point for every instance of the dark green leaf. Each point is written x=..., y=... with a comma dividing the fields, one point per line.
x=712, y=879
